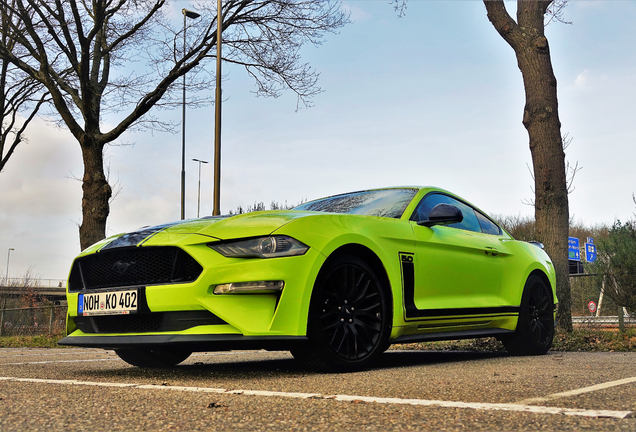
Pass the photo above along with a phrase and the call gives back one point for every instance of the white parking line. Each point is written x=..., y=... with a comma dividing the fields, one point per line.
x=115, y=358
x=580, y=391
x=59, y=361
x=346, y=398
x=40, y=354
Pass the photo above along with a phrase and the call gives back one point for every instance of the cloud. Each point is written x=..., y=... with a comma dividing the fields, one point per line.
x=591, y=4
x=132, y=212
x=40, y=201
x=38, y=178
x=357, y=14
x=583, y=79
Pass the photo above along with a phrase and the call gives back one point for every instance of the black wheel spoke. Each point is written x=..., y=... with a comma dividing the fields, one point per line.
x=361, y=291
x=330, y=326
x=338, y=344
x=354, y=340
x=367, y=332
x=543, y=304
x=369, y=310
x=333, y=294
x=350, y=281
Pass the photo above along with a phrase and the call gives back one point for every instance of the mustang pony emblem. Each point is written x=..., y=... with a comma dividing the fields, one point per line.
x=122, y=267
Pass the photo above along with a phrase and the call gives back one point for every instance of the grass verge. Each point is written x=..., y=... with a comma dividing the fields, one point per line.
x=30, y=341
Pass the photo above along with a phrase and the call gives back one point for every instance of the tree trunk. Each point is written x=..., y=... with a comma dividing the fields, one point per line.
x=551, y=207
x=96, y=193
x=541, y=119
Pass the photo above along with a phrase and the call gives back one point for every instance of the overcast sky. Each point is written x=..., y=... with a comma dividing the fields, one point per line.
x=434, y=98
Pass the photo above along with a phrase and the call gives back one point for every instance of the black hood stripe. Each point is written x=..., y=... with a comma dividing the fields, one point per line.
x=136, y=237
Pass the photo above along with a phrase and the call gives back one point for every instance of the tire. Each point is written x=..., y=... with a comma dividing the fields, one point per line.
x=152, y=357
x=349, y=321
x=535, y=328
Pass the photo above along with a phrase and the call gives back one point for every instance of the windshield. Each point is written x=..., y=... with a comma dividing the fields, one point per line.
x=389, y=203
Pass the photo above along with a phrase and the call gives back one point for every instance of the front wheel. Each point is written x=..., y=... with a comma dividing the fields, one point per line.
x=535, y=328
x=152, y=357
x=349, y=318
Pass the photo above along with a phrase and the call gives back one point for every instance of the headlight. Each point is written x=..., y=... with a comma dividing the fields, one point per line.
x=261, y=247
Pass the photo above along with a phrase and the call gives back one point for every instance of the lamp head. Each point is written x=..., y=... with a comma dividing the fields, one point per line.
x=190, y=14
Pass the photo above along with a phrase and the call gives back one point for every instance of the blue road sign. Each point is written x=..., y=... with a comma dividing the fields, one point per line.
x=574, y=252
x=590, y=251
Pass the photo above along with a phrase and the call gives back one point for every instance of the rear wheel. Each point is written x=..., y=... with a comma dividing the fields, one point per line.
x=535, y=328
x=152, y=357
x=349, y=318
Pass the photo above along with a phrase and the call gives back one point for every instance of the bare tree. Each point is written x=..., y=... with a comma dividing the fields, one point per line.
x=82, y=53
x=17, y=96
x=527, y=38
x=519, y=227
x=20, y=99
x=570, y=171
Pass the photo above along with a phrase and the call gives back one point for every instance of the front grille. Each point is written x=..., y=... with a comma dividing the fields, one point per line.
x=135, y=266
x=147, y=323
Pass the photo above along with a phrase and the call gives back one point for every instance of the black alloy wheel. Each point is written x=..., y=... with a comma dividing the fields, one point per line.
x=349, y=319
x=535, y=329
x=541, y=315
x=152, y=357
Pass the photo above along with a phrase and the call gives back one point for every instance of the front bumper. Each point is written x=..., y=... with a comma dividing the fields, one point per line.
x=257, y=319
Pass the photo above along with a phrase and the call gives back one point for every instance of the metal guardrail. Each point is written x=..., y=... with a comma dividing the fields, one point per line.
x=42, y=287
x=601, y=320
x=38, y=290
x=42, y=283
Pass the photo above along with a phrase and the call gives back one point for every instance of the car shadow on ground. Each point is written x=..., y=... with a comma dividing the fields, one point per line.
x=405, y=358
x=250, y=366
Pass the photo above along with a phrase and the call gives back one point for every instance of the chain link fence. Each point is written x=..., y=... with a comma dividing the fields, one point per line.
x=30, y=306
x=33, y=321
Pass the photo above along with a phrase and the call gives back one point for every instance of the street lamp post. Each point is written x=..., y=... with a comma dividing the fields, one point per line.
x=217, y=114
x=199, y=194
x=192, y=15
x=8, y=256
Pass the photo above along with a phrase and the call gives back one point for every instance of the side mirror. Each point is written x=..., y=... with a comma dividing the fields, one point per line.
x=443, y=214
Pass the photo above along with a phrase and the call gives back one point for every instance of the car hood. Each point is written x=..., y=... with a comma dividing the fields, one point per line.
x=239, y=226
x=216, y=227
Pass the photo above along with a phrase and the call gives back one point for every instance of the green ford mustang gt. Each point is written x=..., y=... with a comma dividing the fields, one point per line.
x=335, y=281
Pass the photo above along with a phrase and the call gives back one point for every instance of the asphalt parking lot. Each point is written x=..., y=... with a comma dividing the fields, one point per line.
x=85, y=389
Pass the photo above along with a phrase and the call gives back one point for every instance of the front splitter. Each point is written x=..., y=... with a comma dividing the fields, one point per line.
x=190, y=342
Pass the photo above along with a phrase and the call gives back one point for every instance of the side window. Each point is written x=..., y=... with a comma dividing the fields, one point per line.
x=487, y=226
x=470, y=222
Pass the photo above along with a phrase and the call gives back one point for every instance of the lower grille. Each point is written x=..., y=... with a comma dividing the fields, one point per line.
x=147, y=323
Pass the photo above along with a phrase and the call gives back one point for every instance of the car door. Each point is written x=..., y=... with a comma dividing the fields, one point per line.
x=457, y=267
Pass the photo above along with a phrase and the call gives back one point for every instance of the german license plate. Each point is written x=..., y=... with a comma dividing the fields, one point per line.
x=108, y=303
